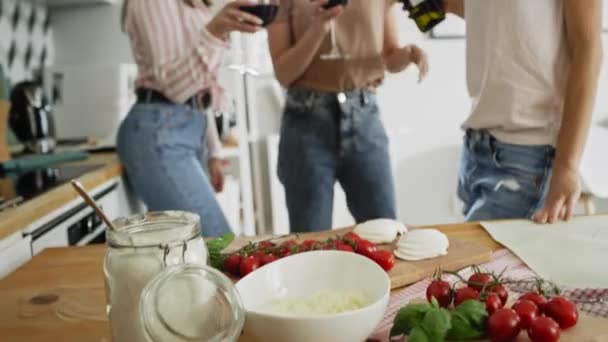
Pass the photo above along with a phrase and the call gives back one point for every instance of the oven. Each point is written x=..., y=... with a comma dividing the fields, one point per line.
x=75, y=224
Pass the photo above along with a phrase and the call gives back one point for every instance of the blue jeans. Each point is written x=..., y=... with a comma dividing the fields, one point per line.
x=502, y=181
x=324, y=140
x=163, y=151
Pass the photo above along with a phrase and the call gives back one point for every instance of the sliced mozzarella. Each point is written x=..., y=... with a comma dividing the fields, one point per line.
x=380, y=230
x=422, y=244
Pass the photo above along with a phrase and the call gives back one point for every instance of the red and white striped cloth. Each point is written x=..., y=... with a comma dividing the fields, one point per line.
x=502, y=260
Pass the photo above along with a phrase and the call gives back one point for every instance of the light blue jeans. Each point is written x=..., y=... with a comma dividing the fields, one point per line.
x=324, y=140
x=163, y=151
x=502, y=181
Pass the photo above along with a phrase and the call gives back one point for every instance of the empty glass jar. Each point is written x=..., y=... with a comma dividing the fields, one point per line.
x=191, y=303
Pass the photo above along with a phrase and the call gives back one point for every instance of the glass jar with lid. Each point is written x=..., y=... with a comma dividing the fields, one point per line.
x=141, y=247
x=191, y=303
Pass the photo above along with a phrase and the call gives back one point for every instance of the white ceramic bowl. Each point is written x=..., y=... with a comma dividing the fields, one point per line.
x=303, y=275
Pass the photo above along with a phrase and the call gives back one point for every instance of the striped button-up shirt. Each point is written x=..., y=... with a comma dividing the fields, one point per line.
x=175, y=53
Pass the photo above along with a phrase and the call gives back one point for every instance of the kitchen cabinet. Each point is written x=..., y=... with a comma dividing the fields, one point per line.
x=15, y=251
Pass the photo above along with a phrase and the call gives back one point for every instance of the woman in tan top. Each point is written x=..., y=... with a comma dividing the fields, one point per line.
x=331, y=129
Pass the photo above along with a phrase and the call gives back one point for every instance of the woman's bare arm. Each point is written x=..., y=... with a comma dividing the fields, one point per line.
x=455, y=7
x=396, y=58
x=292, y=59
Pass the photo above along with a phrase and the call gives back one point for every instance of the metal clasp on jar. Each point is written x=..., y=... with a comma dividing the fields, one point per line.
x=168, y=248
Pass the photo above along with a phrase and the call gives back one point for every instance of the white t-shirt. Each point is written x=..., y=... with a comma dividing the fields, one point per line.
x=517, y=68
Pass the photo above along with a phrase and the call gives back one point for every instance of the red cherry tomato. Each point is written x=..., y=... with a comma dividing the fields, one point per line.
x=536, y=298
x=365, y=248
x=232, y=264
x=306, y=245
x=258, y=254
x=504, y=325
x=384, y=258
x=267, y=259
x=351, y=237
x=501, y=291
x=288, y=247
x=544, y=329
x=464, y=294
x=441, y=291
x=478, y=280
x=493, y=303
x=341, y=246
x=317, y=246
x=527, y=311
x=248, y=265
x=290, y=242
x=563, y=311
x=266, y=244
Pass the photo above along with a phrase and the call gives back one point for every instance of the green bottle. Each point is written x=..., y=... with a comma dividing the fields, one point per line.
x=426, y=13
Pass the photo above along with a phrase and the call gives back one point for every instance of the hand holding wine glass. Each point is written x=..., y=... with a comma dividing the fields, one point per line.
x=332, y=6
x=325, y=14
x=266, y=10
x=232, y=18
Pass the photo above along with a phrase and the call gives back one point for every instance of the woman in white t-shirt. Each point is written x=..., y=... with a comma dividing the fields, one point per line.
x=532, y=73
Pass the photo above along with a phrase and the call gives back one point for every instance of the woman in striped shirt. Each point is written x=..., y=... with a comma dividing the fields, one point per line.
x=167, y=143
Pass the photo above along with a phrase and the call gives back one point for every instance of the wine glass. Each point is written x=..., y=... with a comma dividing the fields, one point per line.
x=266, y=10
x=335, y=52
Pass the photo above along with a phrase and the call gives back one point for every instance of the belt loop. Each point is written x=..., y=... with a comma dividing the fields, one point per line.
x=470, y=138
x=492, y=144
x=365, y=97
x=148, y=97
x=310, y=98
x=491, y=140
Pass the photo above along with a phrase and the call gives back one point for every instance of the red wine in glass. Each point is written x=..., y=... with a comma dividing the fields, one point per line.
x=266, y=12
x=334, y=3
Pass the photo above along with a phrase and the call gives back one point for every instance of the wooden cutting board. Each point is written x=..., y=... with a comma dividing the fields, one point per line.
x=460, y=255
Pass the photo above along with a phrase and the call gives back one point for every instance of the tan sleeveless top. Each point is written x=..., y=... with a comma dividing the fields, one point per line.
x=360, y=34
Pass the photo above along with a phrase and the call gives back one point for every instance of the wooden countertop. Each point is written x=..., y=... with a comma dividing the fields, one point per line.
x=16, y=219
x=59, y=295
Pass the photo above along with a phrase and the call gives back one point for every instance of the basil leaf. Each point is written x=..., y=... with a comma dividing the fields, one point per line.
x=409, y=317
x=215, y=248
x=462, y=329
x=219, y=244
x=217, y=261
x=475, y=312
x=418, y=335
x=436, y=324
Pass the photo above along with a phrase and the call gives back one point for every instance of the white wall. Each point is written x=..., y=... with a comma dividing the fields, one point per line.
x=90, y=35
x=423, y=121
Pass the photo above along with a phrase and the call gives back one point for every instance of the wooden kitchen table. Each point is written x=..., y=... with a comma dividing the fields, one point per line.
x=59, y=294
